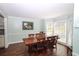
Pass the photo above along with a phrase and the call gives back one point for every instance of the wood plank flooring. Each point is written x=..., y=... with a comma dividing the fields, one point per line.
x=19, y=49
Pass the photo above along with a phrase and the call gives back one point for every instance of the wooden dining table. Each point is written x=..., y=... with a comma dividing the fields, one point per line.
x=28, y=42
x=33, y=41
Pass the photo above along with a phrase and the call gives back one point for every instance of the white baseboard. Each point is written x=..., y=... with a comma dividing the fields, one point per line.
x=75, y=54
x=14, y=42
x=65, y=44
x=6, y=46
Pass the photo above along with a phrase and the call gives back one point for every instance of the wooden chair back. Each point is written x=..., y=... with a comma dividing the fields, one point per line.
x=52, y=41
x=55, y=39
x=31, y=35
x=39, y=36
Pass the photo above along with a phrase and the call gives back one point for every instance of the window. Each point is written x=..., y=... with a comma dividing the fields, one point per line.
x=49, y=28
x=60, y=29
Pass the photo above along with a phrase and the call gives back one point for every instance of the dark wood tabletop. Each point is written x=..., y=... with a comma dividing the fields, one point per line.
x=31, y=41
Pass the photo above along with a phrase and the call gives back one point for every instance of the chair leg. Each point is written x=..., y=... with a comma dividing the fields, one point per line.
x=56, y=46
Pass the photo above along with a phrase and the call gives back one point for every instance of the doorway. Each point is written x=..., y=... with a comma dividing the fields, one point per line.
x=2, y=32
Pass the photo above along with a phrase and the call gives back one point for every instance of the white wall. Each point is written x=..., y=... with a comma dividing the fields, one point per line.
x=15, y=33
x=76, y=30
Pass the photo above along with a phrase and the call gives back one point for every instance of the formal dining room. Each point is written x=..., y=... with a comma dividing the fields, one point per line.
x=36, y=29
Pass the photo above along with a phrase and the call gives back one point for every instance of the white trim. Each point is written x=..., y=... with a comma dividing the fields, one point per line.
x=75, y=54
x=14, y=42
x=5, y=27
x=64, y=44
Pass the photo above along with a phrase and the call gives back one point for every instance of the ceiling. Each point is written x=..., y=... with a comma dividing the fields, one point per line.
x=36, y=10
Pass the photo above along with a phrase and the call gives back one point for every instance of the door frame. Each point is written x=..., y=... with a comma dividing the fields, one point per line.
x=5, y=28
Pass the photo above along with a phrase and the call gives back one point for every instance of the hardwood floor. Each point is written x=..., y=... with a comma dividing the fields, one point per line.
x=19, y=49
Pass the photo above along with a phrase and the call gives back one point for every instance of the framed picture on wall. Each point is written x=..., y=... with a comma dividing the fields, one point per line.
x=27, y=25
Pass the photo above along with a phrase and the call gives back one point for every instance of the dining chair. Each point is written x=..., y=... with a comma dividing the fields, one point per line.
x=42, y=34
x=50, y=41
x=55, y=41
x=40, y=46
x=39, y=37
x=31, y=35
